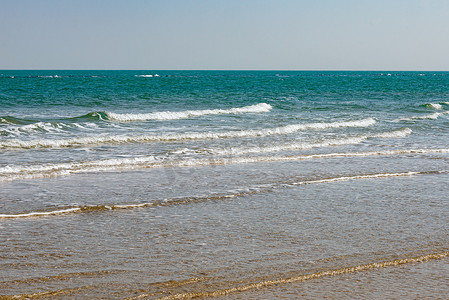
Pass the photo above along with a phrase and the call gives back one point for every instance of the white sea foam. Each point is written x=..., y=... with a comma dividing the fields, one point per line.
x=38, y=126
x=393, y=134
x=4, y=121
x=433, y=116
x=288, y=129
x=42, y=127
x=40, y=214
x=60, y=169
x=170, y=115
x=126, y=206
x=70, y=210
x=346, y=178
x=287, y=147
x=49, y=76
x=302, y=146
x=435, y=105
x=10, y=173
x=145, y=75
x=258, y=159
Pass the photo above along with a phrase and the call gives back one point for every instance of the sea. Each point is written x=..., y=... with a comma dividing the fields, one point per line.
x=224, y=184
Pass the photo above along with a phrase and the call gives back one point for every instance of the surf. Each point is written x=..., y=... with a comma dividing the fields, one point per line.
x=19, y=172
x=177, y=115
x=307, y=145
x=120, y=139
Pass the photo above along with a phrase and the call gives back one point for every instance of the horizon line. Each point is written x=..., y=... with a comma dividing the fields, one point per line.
x=233, y=70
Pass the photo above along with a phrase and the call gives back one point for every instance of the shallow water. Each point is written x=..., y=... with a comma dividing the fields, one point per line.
x=223, y=184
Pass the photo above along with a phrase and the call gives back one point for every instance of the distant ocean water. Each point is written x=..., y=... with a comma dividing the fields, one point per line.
x=149, y=184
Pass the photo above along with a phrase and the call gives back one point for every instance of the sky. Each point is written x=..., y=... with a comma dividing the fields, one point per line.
x=225, y=34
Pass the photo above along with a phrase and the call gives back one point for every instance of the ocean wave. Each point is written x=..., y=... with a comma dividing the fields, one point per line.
x=18, y=172
x=41, y=127
x=172, y=115
x=60, y=169
x=433, y=116
x=437, y=106
x=116, y=139
x=291, y=278
x=285, y=147
x=15, y=120
x=148, y=75
x=33, y=128
x=393, y=134
x=433, y=105
x=95, y=116
x=212, y=197
x=40, y=213
x=303, y=146
x=104, y=207
x=370, y=176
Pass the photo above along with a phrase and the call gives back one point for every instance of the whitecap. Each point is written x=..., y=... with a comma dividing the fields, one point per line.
x=433, y=116
x=171, y=115
x=82, y=141
x=10, y=173
x=41, y=127
x=303, y=146
x=437, y=106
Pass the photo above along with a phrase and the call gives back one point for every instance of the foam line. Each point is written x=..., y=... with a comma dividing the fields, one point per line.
x=169, y=115
x=10, y=173
x=433, y=116
x=302, y=146
x=40, y=214
x=117, y=139
x=346, y=178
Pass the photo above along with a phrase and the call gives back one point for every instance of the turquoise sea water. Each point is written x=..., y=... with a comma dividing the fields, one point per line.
x=147, y=184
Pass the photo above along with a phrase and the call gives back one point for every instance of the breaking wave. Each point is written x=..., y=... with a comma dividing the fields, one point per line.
x=433, y=116
x=39, y=127
x=302, y=146
x=158, y=116
x=18, y=172
x=148, y=75
x=15, y=120
x=174, y=115
x=435, y=105
x=74, y=142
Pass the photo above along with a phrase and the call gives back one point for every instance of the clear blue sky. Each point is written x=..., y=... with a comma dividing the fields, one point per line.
x=225, y=34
